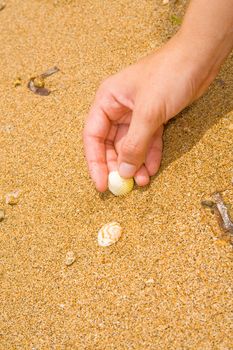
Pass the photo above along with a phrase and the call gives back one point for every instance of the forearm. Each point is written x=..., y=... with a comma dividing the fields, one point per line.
x=207, y=30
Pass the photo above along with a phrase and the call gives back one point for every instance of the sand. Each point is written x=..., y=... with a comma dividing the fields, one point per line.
x=167, y=284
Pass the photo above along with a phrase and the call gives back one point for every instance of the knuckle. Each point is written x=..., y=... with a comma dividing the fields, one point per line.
x=105, y=85
x=149, y=118
x=103, y=94
x=131, y=148
x=153, y=113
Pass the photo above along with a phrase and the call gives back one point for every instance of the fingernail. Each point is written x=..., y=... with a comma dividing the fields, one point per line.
x=127, y=170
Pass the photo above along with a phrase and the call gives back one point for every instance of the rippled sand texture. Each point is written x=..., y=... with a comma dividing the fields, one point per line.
x=167, y=283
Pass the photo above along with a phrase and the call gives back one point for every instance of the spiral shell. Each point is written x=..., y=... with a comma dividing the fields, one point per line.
x=109, y=234
x=118, y=185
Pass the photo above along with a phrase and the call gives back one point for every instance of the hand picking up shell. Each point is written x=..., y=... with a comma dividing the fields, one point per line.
x=118, y=185
x=109, y=234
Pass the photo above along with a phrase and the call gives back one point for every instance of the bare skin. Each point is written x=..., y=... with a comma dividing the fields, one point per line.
x=124, y=128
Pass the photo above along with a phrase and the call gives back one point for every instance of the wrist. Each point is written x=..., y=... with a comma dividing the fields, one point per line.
x=205, y=54
x=205, y=47
x=207, y=31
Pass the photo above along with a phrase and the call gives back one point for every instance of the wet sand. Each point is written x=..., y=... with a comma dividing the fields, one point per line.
x=167, y=284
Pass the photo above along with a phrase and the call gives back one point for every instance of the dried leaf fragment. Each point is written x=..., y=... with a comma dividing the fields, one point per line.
x=37, y=84
x=207, y=204
x=38, y=90
x=18, y=82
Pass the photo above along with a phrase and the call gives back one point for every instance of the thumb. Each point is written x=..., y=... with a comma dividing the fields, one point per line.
x=133, y=151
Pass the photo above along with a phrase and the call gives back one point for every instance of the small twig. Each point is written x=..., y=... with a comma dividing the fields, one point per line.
x=49, y=72
x=221, y=210
x=36, y=84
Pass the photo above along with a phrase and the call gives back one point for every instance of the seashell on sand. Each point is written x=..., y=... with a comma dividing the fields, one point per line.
x=70, y=258
x=12, y=198
x=118, y=185
x=109, y=234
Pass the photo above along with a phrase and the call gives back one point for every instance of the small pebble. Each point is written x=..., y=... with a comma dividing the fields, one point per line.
x=12, y=198
x=150, y=281
x=2, y=215
x=70, y=258
x=221, y=82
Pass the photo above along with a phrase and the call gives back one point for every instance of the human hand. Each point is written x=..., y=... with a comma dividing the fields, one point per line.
x=124, y=128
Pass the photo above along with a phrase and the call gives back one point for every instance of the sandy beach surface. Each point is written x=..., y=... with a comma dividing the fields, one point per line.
x=168, y=282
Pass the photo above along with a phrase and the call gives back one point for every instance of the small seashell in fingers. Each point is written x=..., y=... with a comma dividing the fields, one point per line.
x=118, y=185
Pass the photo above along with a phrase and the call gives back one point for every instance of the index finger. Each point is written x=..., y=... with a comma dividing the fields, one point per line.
x=96, y=129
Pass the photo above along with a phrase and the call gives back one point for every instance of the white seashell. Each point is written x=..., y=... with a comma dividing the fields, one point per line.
x=109, y=234
x=118, y=185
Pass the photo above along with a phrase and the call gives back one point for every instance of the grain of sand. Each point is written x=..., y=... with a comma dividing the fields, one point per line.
x=167, y=284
